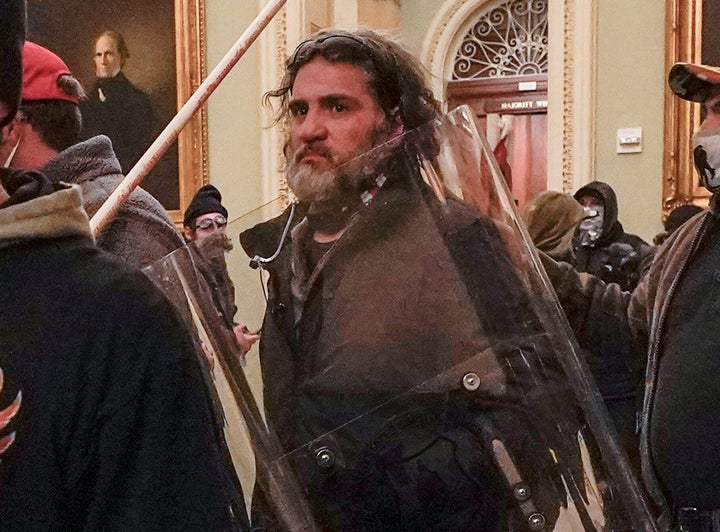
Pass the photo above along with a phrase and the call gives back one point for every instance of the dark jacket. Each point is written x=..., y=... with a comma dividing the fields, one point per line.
x=363, y=360
x=106, y=423
x=141, y=232
x=592, y=304
x=123, y=113
x=617, y=256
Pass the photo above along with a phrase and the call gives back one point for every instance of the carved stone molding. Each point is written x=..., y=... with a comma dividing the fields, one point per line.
x=568, y=97
x=281, y=55
x=273, y=55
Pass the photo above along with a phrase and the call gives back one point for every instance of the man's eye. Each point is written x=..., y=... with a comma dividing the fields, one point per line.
x=298, y=110
x=339, y=108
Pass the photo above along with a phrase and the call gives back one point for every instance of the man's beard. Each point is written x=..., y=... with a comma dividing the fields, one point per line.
x=311, y=184
x=307, y=183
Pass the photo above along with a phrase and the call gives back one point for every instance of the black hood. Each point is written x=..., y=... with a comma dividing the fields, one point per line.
x=611, y=227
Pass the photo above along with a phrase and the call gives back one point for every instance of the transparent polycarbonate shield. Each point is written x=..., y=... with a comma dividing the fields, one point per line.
x=416, y=370
x=212, y=286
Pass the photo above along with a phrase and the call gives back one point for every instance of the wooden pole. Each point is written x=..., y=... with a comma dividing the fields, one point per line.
x=172, y=130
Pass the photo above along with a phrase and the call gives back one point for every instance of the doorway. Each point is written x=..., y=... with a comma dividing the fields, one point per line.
x=512, y=111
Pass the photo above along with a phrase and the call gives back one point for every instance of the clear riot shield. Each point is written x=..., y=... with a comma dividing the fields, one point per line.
x=418, y=372
x=204, y=280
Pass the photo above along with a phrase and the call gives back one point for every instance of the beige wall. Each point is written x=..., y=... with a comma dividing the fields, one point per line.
x=234, y=109
x=416, y=17
x=234, y=144
x=630, y=88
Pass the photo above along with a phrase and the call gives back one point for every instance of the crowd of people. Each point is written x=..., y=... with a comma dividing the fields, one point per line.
x=407, y=376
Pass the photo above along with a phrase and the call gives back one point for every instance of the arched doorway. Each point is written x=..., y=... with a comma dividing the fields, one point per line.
x=499, y=68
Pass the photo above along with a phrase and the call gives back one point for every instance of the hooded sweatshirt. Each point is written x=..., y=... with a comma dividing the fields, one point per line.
x=616, y=256
x=104, y=420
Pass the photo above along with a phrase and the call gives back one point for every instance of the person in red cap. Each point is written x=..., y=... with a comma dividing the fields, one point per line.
x=44, y=136
x=105, y=422
x=671, y=318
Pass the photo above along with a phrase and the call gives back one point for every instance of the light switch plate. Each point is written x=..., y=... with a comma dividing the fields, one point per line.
x=629, y=140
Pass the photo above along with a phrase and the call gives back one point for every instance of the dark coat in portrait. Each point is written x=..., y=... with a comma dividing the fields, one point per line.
x=118, y=109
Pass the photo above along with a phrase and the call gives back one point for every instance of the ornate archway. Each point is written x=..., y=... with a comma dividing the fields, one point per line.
x=571, y=82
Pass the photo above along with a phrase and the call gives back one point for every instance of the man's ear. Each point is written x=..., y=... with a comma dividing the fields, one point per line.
x=10, y=133
x=188, y=233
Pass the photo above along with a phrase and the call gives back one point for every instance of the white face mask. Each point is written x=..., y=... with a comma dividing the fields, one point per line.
x=706, y=155
x=591, y=227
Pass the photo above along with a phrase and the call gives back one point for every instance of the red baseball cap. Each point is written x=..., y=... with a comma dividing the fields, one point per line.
x=41, y=70
x=693, y=82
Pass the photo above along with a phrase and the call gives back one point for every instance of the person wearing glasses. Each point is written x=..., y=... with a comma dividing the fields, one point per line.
x=204, y=223
x=205, y=215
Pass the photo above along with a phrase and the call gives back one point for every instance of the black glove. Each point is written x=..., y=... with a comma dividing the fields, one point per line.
x=622, y=265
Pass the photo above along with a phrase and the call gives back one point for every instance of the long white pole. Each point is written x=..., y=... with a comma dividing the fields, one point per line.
x=172, y=130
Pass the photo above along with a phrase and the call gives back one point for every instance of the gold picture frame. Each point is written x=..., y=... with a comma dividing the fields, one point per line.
x=166, y=40
x=191, y=71
x=683, y=42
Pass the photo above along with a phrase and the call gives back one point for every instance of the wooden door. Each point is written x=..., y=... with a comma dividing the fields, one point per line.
x=517, y=105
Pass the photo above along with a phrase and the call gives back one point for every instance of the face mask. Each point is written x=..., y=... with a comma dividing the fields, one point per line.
x=590, y=228
x=706, y=154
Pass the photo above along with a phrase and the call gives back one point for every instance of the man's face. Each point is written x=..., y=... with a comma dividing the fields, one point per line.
x=334, y=117
x=107, y=58
x=206, y=225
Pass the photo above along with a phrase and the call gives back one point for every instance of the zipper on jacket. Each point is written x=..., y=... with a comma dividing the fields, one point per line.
x=655, y=355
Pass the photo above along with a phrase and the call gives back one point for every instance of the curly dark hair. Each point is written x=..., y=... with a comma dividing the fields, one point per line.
x=395, y=77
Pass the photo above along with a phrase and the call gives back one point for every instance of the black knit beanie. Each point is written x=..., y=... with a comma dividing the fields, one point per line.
x=206, y=200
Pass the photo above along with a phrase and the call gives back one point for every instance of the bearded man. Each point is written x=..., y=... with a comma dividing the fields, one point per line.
x=361, y=305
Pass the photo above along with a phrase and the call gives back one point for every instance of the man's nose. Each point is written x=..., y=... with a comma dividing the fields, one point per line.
x=312, y=127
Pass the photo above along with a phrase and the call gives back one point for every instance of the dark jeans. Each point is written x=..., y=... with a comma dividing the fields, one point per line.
x=692, y=520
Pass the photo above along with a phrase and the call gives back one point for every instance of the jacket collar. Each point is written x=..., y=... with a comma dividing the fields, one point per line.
x=83, y=161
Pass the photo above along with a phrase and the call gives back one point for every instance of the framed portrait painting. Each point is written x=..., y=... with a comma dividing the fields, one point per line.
x=165, y=62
